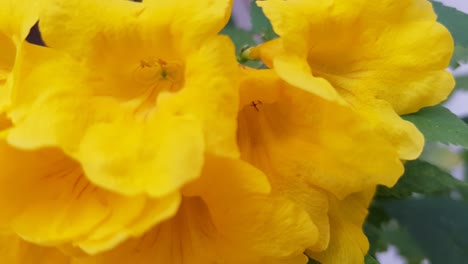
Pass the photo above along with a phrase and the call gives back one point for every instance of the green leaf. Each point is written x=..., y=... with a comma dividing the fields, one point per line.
x=407, y=246
x=438, y=225
x=421, y=177
x=370, y=260
x=239, y=36
x=438, y=124
x=462, y=82
x=260, y=23
x=312, y=261
x=460, y=54
x=454, y=20
x=374, y=235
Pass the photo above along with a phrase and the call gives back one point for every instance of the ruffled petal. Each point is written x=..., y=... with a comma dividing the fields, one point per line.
x=17, y=17
x=13, y=250
x=348, y=243
x=133, y=158
x=46, y=188
x=210, y=225
x=393, y=51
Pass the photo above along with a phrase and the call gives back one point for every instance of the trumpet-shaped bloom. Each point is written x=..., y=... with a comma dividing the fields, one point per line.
x=211, y=226
x=94, y=225
x=384, y=58
x=298, y=140
x=139, y=93
x=46, y=188
x=128, y=130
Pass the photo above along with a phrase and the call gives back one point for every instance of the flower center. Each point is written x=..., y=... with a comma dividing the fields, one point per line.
x=158, y=76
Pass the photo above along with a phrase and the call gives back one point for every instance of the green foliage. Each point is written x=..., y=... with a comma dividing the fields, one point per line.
x=462, y=82
x=311, y=261
x=370, y=260
x=407, y=246
x=438, y=225
x=261, y=31
x=460, y=54
x=457, y=23
x=438, y=124
x=238, y=36
x=454, y=20
x=419, y=226
x=421, y=177
x=260, y=23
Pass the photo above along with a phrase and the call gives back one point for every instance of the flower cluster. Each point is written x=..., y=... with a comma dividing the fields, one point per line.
x=134, y=136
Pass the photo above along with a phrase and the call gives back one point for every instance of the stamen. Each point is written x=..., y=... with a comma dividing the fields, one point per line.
x=158, y=75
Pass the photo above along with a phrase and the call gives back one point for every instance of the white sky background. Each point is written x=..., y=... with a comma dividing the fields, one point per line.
x=457, y=104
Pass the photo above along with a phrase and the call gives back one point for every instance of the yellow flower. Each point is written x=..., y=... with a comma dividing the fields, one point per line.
x=132, y=91
x=128, y=135
x=45, y=188
x=319, y=154
x=227, y=219
x=384, y=58
x=209, y=225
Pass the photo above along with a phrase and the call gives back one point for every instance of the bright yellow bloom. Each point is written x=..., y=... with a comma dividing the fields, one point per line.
x=132, y=91
x=46, y=199
x=128, y=129
x=385, y=58
x=319, y=154
x=231, y=222
x=348, y=243
x=72, y=213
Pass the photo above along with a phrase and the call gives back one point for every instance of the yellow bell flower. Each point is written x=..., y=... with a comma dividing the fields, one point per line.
x=128, y=130
x=228, y=219
x=318, y=154
x=384, y=58
x=134, y=92
x=46, y=199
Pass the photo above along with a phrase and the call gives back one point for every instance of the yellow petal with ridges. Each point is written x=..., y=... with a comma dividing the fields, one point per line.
x=348, y=243
x=133, y=158
x=13, y=250
x=393, y=51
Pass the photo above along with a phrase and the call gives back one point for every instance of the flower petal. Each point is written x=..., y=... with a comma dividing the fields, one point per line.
x=17, y=17
x=402, y=134
x=123, y=224
x=16, y=251
x=134, y=158
x=277, y=227
x=348, y=243
x=297, y=72
x=86, y=19
x=211, y=93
